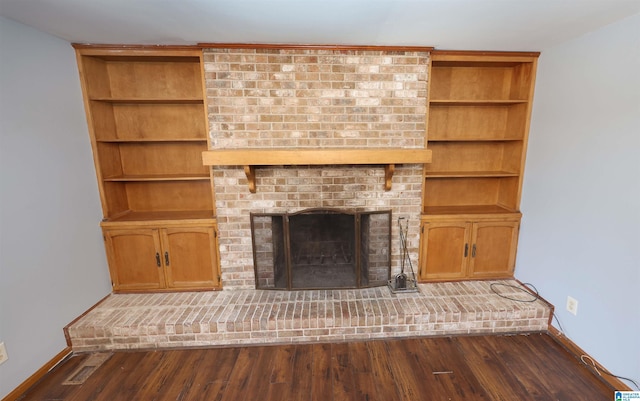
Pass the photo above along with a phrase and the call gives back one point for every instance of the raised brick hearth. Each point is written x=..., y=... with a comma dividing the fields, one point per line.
x=190, y=319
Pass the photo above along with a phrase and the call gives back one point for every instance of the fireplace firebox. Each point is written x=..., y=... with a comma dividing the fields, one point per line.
x=321, y=249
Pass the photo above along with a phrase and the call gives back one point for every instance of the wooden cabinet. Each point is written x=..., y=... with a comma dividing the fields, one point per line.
x=162, y=258
x=444, y=250
x=147, y=119
x=457, y=249
x=493, y=249
x=478, y=125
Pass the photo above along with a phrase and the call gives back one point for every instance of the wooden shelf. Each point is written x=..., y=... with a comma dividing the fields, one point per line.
x=471, y=139
x=167, y=177
x=159, y=100
x=479, y=114
x=148, y=140
x=251, y=158
x=166, y=216
x=145, y=109
x=462, y=102
x=467, y=210
x=464, y=174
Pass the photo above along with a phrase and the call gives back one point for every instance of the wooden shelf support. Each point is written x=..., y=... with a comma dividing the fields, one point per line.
x=252, y=158
x=250, y=172
x=389, y=169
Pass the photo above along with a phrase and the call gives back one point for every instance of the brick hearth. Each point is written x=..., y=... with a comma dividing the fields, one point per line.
x=189, y=319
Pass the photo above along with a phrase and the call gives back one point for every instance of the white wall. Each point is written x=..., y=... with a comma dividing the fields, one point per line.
x=52, y=263
x=580, y=234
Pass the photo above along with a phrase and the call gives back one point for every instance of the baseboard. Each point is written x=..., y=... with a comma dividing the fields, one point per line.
x=573, y=348
x=40, y=373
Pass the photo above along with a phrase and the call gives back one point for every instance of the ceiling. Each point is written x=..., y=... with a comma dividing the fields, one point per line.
x=446, y=24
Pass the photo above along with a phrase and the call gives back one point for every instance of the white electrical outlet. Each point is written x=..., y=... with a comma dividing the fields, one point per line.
x=572, y=306
x=3, y=353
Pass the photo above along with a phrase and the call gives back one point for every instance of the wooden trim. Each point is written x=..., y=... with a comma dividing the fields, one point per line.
x=479, y=58
x=134, y=47
x=274, y=46
x=66, y=328
x=201, y=45
x=92, y=136
x=250, y=158
x=573, y=348
x=130, y=52
x=39, y=374
x=155, y=220
x=325, y=156
x=484, y=53
x=527, y=129
x=278, y=46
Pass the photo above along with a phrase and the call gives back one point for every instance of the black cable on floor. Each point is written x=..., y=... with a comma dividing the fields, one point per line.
x=558, y=321
x=535, y=296
x=602, y=370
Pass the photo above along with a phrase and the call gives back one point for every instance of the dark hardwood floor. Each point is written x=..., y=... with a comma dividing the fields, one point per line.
x=510, y=368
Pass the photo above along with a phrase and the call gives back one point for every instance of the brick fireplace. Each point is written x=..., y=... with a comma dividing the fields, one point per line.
x=306, y=101
x=309, y=99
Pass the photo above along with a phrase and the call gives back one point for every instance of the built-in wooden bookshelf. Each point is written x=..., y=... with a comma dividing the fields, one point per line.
x=146, y=113
x=147, y=118
x=478, y=124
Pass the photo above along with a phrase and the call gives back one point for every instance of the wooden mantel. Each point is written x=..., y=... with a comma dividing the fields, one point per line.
x=251, y=158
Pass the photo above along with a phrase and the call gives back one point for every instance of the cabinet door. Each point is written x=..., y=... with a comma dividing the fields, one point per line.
x=134, y=259
x=190, y=257
x=493, y=253
x=444, y=250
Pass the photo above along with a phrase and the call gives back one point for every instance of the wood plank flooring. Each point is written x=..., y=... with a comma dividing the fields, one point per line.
x=510, y=368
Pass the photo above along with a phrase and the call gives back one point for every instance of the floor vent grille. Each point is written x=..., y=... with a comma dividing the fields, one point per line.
x=90, y=365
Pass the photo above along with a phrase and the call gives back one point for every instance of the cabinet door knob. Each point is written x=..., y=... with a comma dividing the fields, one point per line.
x=158, y=259
x=166, y=258
x=466, y=250
x=473, y=251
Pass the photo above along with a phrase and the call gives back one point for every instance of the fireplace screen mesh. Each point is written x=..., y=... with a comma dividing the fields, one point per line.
x=321, y=248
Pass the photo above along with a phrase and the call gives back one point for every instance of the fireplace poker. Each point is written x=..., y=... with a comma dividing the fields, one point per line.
x=401, y=279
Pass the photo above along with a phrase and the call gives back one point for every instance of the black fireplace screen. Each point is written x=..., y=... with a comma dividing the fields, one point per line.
x=321, y=248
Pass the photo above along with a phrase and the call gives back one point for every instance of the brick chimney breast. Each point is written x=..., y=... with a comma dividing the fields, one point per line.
x=313, y=98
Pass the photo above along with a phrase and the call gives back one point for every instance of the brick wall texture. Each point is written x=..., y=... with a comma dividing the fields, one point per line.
x=269, y=98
